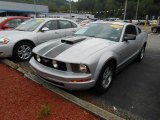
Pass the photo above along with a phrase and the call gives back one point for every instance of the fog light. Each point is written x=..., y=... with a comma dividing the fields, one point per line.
x=83, y=68
x=54, y=63
x=38, y=58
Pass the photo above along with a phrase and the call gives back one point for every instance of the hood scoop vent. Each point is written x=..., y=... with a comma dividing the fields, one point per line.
x=72, y=40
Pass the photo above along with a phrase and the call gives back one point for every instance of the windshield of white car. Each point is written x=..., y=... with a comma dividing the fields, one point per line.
x=107, y=31
x=30, y=25
x=2, y=19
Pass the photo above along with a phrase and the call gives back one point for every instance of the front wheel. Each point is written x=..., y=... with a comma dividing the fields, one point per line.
x=23, y=51
x=105, y=78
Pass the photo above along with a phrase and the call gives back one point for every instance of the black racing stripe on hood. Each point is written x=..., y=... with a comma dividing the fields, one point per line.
x=47, y=48
x=58, y=50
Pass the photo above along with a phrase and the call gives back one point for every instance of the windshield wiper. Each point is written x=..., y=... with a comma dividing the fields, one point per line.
x=20, y=30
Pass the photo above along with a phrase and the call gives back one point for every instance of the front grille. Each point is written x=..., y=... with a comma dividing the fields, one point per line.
x=75, y=68
x=48, y=62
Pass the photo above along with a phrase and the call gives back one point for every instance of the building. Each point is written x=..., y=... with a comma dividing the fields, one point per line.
x=17, y=9
x=68, y=15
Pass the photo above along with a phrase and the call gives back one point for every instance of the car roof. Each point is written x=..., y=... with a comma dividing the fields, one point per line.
x=15, y=17
x=113, y=22
x=52, y=19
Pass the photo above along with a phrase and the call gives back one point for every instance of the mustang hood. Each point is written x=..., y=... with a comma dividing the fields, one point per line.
x=72, y=49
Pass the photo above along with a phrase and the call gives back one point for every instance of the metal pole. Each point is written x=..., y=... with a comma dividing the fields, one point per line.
x=70, y=8
x=137, y=10
x=35, y=8
x=125, y=10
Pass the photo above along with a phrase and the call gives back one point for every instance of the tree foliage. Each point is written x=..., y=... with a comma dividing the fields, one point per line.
x=146, y=7
x=97, y=7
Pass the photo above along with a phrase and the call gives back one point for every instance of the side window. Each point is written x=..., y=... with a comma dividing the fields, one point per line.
x=130, y=29
x=139, y=30
x=52, y=25
x=13, y=23
x=65, y=24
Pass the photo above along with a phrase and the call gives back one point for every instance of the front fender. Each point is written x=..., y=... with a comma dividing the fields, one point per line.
x=102, y=61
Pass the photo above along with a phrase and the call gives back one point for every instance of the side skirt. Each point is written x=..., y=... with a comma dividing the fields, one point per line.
x=125, y=64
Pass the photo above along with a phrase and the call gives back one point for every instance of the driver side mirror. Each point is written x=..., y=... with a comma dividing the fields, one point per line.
x=129, y=37
x=44, y=29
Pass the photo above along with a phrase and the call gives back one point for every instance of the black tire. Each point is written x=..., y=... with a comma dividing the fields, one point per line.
x=101, y=86
x=154, y=30
x=22, y=51
x=141, y=54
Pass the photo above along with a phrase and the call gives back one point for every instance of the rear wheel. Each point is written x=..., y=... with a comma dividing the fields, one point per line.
x=23, y=51
x=105, y=78
x=141, y=54
x=154, y=30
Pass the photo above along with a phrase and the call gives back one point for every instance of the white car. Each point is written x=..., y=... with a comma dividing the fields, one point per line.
x=20, y=41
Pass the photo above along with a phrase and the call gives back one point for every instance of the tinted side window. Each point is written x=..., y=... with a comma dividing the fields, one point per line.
x=65, y=24
x=52, y=25
x=13, y=23
x=130, y=29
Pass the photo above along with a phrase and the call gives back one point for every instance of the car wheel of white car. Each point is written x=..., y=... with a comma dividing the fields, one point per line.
x=141, y=55
x=105, y=77
x=154, y=30
x=23, y=51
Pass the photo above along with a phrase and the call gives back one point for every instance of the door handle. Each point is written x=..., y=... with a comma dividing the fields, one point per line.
x=56, y=33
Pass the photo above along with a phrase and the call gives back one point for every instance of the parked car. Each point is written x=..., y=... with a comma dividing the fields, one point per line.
x=20, y=41
x=112, y=19
x=11, y=22
x=142, y=22
x=136, y=22
x=85, y=22
x=155, y=29
x=91, y=56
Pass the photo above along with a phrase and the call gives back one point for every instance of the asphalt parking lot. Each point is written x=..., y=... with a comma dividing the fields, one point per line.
x=134, y=93
x=135, y=90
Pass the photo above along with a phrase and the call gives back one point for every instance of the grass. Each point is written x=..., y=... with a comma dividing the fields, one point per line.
x=44, y=112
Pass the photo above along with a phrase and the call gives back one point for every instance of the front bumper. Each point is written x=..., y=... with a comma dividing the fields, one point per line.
x=5, y=51
x=62, y=78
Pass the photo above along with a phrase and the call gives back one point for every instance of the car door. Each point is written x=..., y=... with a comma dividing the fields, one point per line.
x=128, y=49
x=51, y=33
x=67, y=27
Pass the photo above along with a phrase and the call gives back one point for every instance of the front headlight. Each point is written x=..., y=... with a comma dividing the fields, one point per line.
x=83, y=68
x=54, y=64
x=4, y=40
x=38, y=58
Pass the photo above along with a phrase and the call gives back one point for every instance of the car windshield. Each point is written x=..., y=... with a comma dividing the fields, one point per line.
x=107, y=31
x=2, y=19
x=30, y=25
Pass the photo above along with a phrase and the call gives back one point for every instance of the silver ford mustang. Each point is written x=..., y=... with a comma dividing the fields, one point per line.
x=91, y=56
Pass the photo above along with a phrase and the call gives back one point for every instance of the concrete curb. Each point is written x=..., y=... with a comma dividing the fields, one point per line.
x=86, y=105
